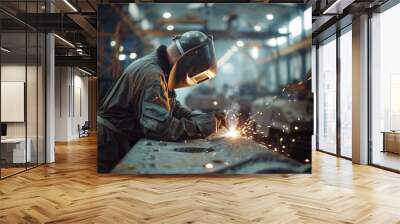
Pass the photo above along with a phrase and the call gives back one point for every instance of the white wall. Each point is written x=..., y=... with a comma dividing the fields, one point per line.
x=71, y=102
x=33, y=127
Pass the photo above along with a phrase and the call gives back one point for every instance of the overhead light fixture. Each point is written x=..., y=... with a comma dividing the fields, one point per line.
x=283, y=30
x=166, y=15
x=70, y=5
x=170, y=27
x=239, y=43
x=254, y=52
x=271, y=42
x=5, y=50
x=113, y=43
x=121, y=48
x=84, y=71
x=64, y=40
x=257, y=28
x=122, y=57
x=269, y=17
x=132, y=55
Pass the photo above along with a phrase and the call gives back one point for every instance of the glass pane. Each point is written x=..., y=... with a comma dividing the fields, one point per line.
x=385, y=84
x=32, y=96
x=346, y=94
x=41, y=98
x=13, y=86
x=327, y=97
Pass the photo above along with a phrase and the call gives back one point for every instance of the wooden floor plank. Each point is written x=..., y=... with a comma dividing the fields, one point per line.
x=70, y=191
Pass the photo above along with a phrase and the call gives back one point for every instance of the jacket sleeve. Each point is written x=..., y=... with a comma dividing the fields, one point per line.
x=158, y=121
x=181, y=111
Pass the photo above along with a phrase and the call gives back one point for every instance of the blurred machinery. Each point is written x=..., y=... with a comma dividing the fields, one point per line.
x=285, y=123
x=204, y=98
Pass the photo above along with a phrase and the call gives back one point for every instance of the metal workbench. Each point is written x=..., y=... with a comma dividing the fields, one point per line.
x=214, y=155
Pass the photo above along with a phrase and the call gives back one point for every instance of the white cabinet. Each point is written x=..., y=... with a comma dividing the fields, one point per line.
x=16, y=149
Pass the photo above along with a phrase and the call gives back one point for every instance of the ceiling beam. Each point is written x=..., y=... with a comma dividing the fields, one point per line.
x=302, y=45
x=84, y=24
x=81, y=61
x=217, y=34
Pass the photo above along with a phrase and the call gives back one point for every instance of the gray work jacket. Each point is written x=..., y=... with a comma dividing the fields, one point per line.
x=139, y=104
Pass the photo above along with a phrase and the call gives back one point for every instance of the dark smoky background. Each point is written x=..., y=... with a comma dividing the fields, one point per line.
x=264, y=63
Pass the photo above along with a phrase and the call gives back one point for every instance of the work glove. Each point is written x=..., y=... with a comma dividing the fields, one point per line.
x=221, y=119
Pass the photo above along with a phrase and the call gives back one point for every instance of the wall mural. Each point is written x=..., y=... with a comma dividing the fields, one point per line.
x=204, y=88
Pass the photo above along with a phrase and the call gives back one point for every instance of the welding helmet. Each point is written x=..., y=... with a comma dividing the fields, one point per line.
x=197, y=62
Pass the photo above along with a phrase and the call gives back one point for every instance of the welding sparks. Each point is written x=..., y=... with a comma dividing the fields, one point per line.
x=233, y=132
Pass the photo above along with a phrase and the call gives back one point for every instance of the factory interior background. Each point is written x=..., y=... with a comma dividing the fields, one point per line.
x=263, y=84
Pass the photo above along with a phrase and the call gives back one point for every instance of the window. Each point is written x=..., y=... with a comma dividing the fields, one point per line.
x=22, y=65
x=295, y=26
x=346, y=94
x=385, y=89
x=327, y=97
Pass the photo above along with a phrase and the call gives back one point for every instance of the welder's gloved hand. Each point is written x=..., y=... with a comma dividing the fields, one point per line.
x=221, y=117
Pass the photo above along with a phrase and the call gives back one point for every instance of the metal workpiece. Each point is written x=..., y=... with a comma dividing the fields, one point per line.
x=216, y=155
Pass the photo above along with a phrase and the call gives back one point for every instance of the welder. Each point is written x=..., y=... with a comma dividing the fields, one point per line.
x=142, y=101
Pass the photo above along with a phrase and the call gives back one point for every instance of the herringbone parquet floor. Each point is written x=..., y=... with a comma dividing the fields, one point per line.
x=70, y=191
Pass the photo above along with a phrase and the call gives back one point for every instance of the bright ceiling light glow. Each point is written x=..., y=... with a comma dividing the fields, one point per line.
x=283, y=30
x=65, y=41
x=84, y=71
x=257, y=28
x=254, y=52
x=132, y=55
x=170, y=27
x=113, y=43
x=240, y=43
x=295, y=26
x=121, y=48
x=70, y=5
x=269, y=17
x=281, y=40
x=122, y=57
x=307, y=19
x=166, y=15
x=272, y=42
x=5, y=50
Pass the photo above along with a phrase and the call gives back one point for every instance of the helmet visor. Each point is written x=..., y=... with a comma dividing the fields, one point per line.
x=194, y=66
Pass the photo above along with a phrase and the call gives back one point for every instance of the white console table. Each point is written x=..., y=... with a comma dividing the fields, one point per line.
x=16, y=146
